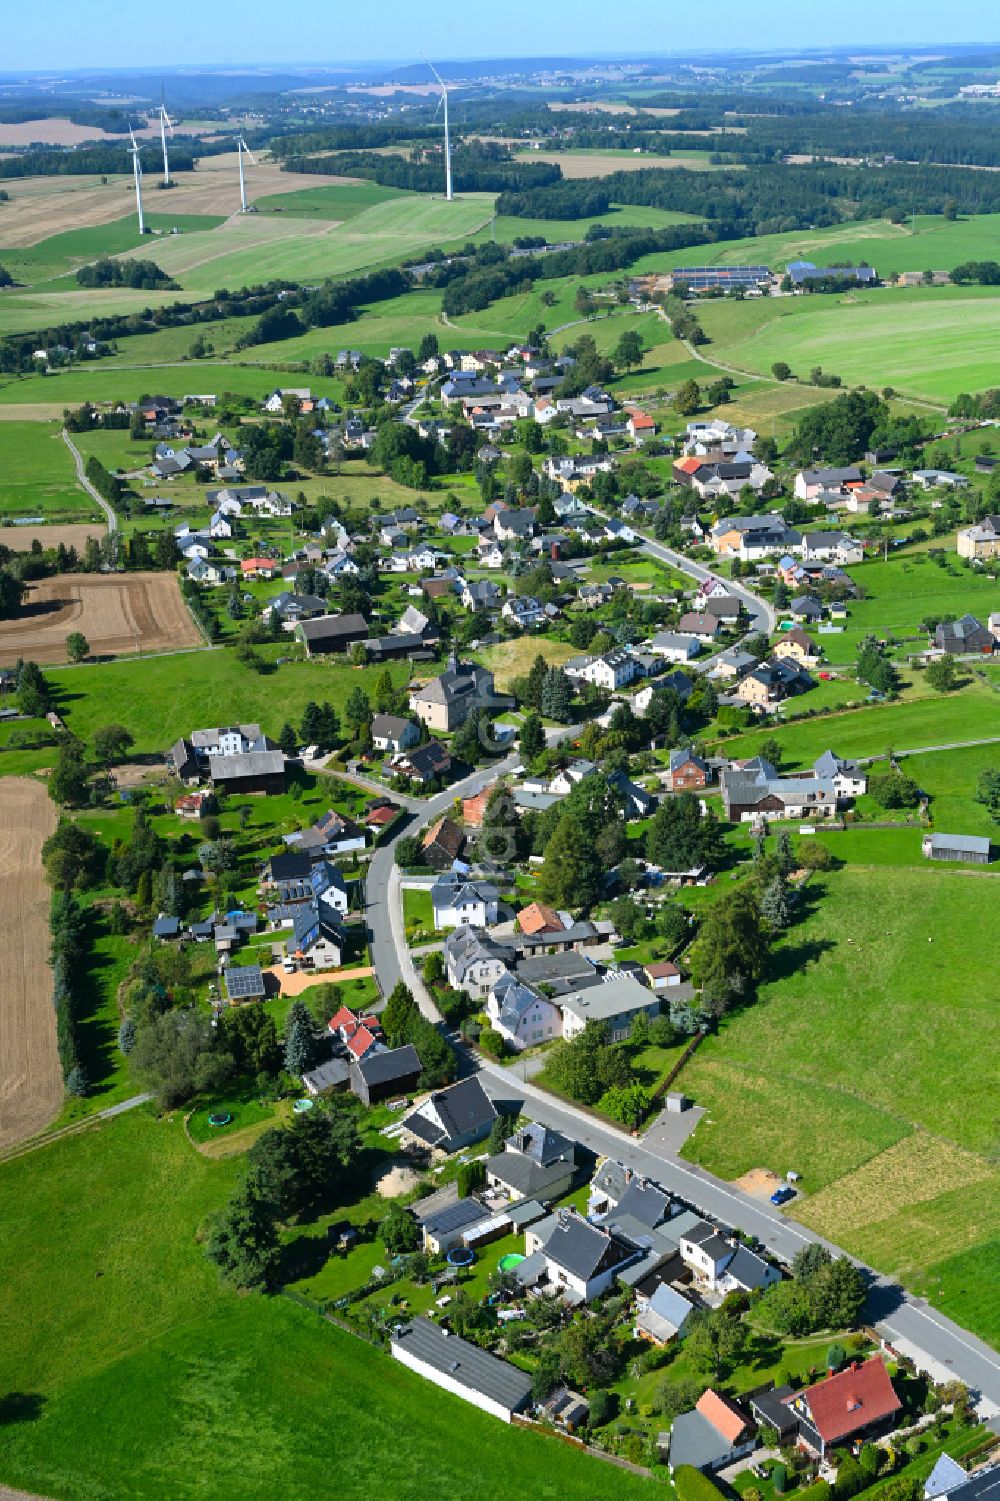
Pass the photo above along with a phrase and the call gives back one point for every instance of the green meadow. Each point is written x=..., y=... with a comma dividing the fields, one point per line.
x=161, y=698
x=859, y=1067
x=929, y=342
x=60, y=255
x=127, y=1369
x=336, y=201
x=37, y=477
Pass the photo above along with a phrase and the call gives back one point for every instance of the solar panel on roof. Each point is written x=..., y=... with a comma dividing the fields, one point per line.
x=244, y=981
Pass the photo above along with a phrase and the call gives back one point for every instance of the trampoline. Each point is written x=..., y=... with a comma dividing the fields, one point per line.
x=301, y=1106
x=460, y=1256
x=220, y=1118
x=509, y=1262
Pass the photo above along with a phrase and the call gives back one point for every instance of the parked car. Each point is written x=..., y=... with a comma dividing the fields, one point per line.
x=782, y=1195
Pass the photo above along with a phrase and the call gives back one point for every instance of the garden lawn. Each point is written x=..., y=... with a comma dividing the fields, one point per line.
x=512, y=659
x=139, y=1373
x=418, y=911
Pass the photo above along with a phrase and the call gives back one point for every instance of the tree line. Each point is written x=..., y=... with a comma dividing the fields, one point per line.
x=472, y=172
x=128, y=273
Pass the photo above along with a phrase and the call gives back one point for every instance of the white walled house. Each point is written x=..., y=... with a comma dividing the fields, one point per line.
x=520, y=1014
x=459, y=902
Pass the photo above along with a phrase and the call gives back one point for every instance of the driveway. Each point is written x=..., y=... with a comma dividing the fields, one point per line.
x=301, y=979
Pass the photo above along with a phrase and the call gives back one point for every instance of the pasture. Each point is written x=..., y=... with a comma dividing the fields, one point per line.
x=31, y=1087
x=259, y=247
x=111, y=1307
x=37, y=477
x=118, y=613
x=859, y=1067
x=618, y=216
x=930, y=343
x=60, y=255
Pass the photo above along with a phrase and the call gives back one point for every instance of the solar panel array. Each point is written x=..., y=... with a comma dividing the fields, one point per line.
x=703, y=278
x=244, y=982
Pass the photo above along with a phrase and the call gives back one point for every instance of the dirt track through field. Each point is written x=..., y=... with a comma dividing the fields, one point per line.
x=118, y=613
x=31, y=1089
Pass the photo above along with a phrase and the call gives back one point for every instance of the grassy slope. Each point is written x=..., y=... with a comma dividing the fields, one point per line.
x=332, y=201
x=379, y=235
x=860, y=1068
x=932, y=342
x=142, y=1376
x=61, y=254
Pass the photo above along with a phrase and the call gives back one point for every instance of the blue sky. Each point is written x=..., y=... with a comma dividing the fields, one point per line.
x=64, y=34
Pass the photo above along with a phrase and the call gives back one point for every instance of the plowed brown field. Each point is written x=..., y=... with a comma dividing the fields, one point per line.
x=31, y=1089
x=118, y=613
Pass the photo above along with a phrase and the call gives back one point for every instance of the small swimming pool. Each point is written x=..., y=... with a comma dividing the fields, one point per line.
x=509, y=1262
x=301, y=1106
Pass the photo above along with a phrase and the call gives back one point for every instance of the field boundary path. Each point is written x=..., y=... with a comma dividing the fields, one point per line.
x=45, y=1138
x=84, y=483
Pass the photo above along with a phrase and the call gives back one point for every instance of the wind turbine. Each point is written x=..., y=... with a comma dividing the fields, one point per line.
x=447, y=136
x=242, y=146
x=165, y=124
x=137, y=172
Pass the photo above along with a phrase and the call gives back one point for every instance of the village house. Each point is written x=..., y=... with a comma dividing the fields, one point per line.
x=424, y=764
x=714, y=1434
x=446, y=701
x=317, y=940
x=687, y=772
x=796, y=646
x=756, y=792
x=751, y=538
x=536, y=1163
x=964, y=637
x=474, y=961
x=460, y=901
x=811, y=483
x=521, y=1014
x=451, y=1119
x=442, y=844
x=569, y=1257
x=331, y=633
x=612, y=671
x=674, y=646
x=859, y=1402
x=981, y=541
x=616, y=1002
x=390, y=732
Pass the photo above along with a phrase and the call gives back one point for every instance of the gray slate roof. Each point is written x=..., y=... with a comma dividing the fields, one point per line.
x=466, y=1365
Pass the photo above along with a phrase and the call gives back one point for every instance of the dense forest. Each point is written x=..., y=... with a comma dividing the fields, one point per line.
x=472, y=171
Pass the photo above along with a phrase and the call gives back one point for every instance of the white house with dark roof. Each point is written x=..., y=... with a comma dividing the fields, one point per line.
x=568, y=1256
x=521, y=1014
x=453, y=1118
x=459, y=901
x=474, y=961
x=536, y=1163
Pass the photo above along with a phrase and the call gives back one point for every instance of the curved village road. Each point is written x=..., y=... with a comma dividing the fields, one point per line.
x=82, y=479
x=760, y=615
x=935, y=1342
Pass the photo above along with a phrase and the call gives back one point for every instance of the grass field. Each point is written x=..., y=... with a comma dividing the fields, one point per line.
x=111, y=1308
x=860, y=1068
x=621, y=216
x=512, y=659
x=929, y=342
x=902, y=592
x=259, y=247
x=973, y=713
x=575, y=164
x=37, y=477
x=337, y=201
x=61, y=254
x=160, y=698
x=890, y=248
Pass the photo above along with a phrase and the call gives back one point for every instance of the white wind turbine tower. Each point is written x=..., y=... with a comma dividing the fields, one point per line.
x=242, y=146
x=165, y=124
x=137, y=172
x=447, y=136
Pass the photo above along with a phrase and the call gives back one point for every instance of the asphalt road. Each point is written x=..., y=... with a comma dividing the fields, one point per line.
x=934, y=1341
x=760, y=615
x=82, y=479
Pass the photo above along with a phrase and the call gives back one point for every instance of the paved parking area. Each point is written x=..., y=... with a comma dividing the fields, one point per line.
x=671, y=1129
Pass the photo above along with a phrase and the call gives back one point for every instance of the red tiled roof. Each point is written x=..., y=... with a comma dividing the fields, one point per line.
x=688, y=466
x=661, y=969
x=344, y=1018
x=380, y=816
x=852, y=1399
x=362, y=1040
x=538, y=919
x=251, y=565
x=474, y=808
x=722, y=1414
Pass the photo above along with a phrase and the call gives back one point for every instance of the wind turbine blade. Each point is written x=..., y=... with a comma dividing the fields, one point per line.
x=434, y=70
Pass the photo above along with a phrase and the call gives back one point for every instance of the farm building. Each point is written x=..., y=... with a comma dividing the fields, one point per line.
x=968, y=849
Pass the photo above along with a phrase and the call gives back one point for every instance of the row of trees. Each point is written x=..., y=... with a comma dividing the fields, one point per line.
x=68, y=956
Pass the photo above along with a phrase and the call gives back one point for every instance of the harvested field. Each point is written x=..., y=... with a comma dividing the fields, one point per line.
x=119, y=614
x=44, y=206
x=20, y=538
x=58, y=131
x=574, y=164
x=31, y=1088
